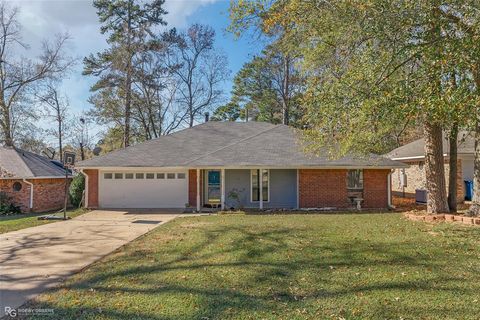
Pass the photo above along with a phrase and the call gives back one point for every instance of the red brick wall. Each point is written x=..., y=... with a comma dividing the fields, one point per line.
x=192, y=187
x=375, y=188
x=92, y=187
x=20, y=198
x=322, y=188
x=48, y=194
x=328, y=188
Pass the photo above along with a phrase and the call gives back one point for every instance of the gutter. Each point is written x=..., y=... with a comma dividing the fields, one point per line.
x=389, y=190
x=86, y=188
x=31, y=192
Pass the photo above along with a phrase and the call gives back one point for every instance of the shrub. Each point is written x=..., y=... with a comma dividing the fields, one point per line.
x=76, y=189
x=6, y=205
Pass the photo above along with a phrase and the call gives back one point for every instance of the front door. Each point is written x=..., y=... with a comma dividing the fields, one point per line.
x=213, y=193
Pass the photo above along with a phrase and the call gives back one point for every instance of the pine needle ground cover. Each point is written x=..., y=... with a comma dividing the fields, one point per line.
x=331, y=266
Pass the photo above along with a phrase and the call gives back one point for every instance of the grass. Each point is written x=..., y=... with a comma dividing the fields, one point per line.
x=27, y=220
x=330, y=266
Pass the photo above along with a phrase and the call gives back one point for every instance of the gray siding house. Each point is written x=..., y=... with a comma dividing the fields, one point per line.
x=234, y=165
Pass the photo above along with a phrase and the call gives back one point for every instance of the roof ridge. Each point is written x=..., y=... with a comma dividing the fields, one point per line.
x=232, y=144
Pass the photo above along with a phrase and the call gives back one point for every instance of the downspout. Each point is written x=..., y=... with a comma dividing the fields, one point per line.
x=389, y=190
x=31, y=193
x=86, y=187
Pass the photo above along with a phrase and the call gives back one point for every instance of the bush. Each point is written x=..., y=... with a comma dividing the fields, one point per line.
x=76, y=189
x=6, y=205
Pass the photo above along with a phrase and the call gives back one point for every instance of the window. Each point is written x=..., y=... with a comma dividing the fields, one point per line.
x=128, y=175
x=17, y=186
x=170, y=175
x=138, y=175
x=107, y=176
x=180, y=175
x=118, y=175
x=150, y=175
x=160, y=175
x=355, y=179
x=255, y=177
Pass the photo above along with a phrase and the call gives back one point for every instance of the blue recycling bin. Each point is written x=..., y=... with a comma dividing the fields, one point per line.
x=468, y=190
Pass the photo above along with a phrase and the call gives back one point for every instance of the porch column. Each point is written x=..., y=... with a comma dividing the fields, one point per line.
x=260, y=173
x=198, y=190
x=222, y=188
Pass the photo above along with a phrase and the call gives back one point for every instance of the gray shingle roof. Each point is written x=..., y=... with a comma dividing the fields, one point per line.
x=228, y=144
x=18, y=163
x=416, y=148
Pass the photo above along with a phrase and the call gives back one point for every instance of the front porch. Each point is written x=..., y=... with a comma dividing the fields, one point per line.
x=211, y=189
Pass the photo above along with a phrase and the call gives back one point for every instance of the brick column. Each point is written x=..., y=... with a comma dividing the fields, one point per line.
x=192, y=187
x=92, y=187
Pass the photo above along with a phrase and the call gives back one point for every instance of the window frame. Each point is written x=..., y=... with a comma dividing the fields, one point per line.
x=268, y=185
x=107, y=173
x=139, y=173
x=169, y=174
x=152, y=175
x=184, y=176
x=128, y=173
x=15, y=187
x=160, y=175
x=362, y=180
x=118, y=173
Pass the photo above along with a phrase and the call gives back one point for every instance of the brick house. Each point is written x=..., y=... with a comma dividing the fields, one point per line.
x=413, y=178
x=33, y=182
x=234, y=165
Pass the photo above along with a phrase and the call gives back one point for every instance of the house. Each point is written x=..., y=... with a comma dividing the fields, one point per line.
x=413, y=154
x=233, y=164
x=33, y=182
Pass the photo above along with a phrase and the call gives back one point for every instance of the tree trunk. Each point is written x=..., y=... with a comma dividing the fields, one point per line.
x=128, y=82
x=435, y=169
x=452, y=176
x=6, y=128
x=60, y=146
x=475, y=208
x=286, y=83
x=82, y=151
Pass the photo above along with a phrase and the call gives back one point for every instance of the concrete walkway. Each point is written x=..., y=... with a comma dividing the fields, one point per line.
x=35, y=259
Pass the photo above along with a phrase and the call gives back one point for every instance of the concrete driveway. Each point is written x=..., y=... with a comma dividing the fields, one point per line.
x=37, y=258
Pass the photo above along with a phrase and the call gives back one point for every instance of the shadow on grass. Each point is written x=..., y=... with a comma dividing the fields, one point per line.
x=269, y=263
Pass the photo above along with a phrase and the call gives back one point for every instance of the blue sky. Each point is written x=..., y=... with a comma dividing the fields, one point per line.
x=41, y=19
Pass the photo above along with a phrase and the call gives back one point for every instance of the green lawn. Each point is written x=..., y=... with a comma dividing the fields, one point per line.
x=27, y=220
x=344, y=266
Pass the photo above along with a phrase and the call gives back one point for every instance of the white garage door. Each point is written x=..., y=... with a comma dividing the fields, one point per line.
x=167, y=189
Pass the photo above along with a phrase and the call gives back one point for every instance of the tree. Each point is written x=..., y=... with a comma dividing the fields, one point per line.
x=371, y=71
x=130, y=25
x=265, y=92
x=80, y=135
x=199, y=69
x=56, y=107
x=228, y=112
x=18, y=75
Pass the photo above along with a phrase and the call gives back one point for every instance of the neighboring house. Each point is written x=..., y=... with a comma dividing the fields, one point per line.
x=413, y=154
x=233, y=164
x=33, y=182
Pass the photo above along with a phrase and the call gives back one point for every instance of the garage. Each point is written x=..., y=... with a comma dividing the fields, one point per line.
x=145, y=189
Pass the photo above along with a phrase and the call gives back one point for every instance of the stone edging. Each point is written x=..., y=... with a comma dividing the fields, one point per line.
x=444, y=217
